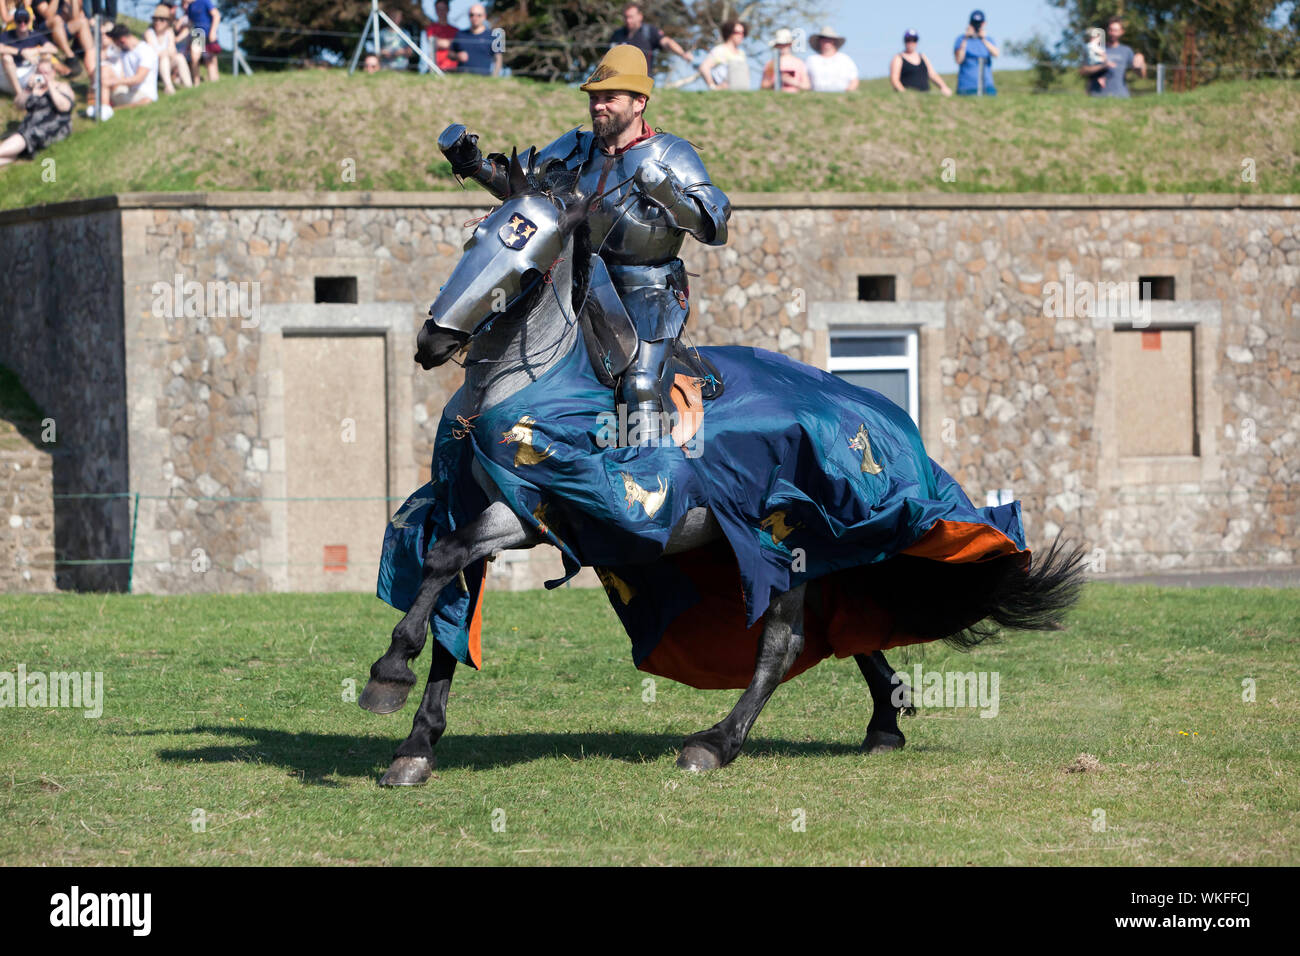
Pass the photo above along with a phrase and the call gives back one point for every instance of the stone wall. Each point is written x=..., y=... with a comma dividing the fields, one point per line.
x=26, y=520
x=1009, y=396
x=61, y=332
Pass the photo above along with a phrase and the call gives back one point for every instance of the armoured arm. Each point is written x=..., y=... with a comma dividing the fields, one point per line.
x=680, y=185
x=461, y=149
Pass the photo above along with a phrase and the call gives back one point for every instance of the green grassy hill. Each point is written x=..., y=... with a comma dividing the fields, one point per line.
x=296, y=131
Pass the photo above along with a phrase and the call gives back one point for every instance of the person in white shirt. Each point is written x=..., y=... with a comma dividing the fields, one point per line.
x=726, y=67
x=134, y=81
x=830, y=70
x=163, y=40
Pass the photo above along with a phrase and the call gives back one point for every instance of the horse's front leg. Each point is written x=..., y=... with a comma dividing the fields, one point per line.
x=779, y=646
x=414, y=760
x=496, y=529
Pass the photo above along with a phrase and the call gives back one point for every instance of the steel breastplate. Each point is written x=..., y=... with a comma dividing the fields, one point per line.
x=625, y=226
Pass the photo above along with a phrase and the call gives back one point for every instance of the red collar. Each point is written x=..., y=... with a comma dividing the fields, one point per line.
x=646, y=133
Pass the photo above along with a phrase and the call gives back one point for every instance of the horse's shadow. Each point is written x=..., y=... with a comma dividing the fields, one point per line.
x=322, y=759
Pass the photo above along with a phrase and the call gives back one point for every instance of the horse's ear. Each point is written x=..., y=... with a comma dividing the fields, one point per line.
x=575, y=211
x=518, y=178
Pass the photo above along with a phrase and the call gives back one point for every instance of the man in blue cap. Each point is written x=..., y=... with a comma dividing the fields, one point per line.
x=974, y=52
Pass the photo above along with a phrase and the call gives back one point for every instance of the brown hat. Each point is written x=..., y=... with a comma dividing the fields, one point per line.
x=162, y=12
x=622, y=68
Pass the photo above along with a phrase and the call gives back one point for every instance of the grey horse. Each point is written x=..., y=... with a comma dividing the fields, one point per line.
x=517, y=347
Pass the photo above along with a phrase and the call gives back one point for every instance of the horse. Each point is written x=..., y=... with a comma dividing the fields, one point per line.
x=508, y=346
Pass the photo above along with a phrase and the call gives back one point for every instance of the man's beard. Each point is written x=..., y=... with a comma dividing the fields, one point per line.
x=611, y=125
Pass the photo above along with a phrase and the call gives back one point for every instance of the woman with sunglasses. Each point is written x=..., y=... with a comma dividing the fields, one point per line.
x=725, y=68
x=160, y=36
x=912, y=69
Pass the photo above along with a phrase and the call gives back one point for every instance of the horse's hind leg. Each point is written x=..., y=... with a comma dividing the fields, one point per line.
x=778, y=648
x=414, y=760
x=495, y=529
x=889, y=695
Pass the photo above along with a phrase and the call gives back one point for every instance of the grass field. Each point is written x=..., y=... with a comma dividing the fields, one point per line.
x=235, y=705
x=294, y=131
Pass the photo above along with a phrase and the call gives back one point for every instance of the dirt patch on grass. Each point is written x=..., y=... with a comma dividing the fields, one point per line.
x=1085, y=763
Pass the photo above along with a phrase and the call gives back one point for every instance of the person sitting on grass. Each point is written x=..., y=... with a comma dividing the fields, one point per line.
x=134, y=81
x=48, y=102
x=64, y=19
x=20, y=51
x=170, y=60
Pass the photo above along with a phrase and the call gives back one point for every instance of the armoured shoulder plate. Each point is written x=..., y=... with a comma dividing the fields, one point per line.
x=571, y=148
x=680, y=156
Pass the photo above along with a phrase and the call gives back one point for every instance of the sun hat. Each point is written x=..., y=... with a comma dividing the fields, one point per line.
x=783, y=38
x=828, y=33
x=622, y=68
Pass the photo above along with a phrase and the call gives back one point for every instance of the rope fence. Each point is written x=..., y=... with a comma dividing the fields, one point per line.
x=131, y=560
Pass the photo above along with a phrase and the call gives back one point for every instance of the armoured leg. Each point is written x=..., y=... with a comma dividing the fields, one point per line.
x=642, y=391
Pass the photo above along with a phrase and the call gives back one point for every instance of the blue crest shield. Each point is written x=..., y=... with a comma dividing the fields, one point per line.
x=516, y=233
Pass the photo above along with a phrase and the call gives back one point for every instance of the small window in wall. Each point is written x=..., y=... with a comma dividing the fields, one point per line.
x=1155, y=398
x=336, y=289
x=881, y=359
x=876, y=288
x=1156, y=288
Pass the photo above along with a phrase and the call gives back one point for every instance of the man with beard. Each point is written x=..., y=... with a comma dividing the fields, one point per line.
x=649, y=190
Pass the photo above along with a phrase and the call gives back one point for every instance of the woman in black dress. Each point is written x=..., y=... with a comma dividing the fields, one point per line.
x=911, y=69
x=49, y=114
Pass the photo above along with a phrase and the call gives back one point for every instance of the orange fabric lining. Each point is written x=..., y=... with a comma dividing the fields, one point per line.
x=688, y=397
x=961, y=541
x=708, y=645
x=476, y=625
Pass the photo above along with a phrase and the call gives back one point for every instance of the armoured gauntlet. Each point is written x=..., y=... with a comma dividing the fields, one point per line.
x=460, y=147
x=657, y=182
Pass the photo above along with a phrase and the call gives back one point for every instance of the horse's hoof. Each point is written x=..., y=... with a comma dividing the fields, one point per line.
x=383, y=697
x=697, y=758
x=408, y=772
x=882, y=742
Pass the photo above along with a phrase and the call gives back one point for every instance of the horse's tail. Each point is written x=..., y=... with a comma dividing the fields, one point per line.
x=967, y=604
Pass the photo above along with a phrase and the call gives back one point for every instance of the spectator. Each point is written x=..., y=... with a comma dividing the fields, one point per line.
x=163, y=40
x=645, y=37
x=370, y=64
x=726, y=66
x=829, y=70
x=134, y=80
x=912, y=69
x=21, y=51
x=393, y=49
x=1108, y=79
x=203, y=15
x=48, y=103
x=794, y=75
x=64, y=19
x=974, y=52
x=475, y=47
x=442, y=33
